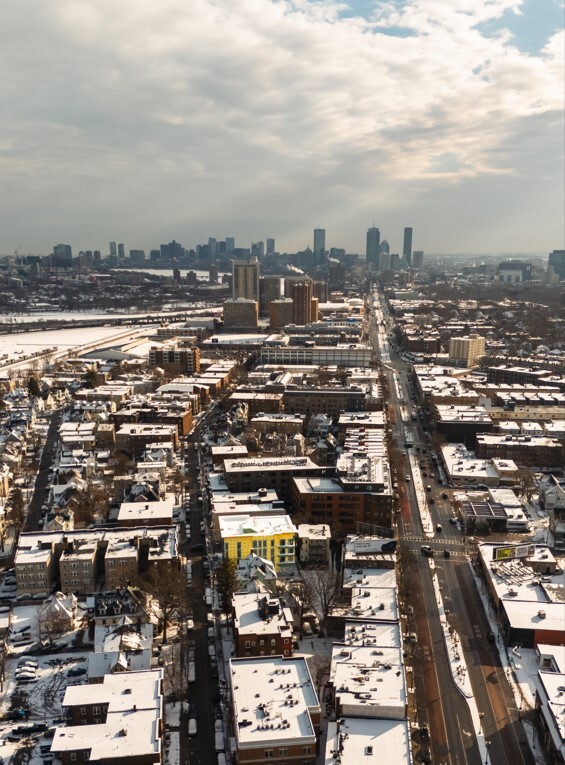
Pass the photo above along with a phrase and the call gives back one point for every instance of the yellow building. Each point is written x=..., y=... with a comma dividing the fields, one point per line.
x=270, y=536
x=467, y=349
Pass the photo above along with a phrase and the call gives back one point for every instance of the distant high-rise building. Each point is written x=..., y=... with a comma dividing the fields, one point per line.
x=258, y=249
x=213, y=274
x=137, y=257
x=281, y=313
x=240, y=314
x=417, y=260
x=212, y=248
x=176, y=250
x=270, y=246
x=319, y=243
x=121, y=250
x=407, y=246
x=113, y=249
x=301, y=294
x=337, y=276
x=557, y=261
x=246, y=279
x=372, y=248
x=62, y=255
x=288, y=282
x=269, y=290
x=320, y=290
x=314, y=303
x=230, y=245
x=384, y=261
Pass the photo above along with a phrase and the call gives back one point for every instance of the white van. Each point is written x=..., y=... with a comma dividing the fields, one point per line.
x=192, y=729
x=191, y=672
x=221, y=759
x=212, y=651
x=219, y=740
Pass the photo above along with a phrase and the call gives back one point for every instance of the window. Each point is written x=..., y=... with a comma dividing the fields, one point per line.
x=261, y=642
x=269, y=753
x=83, y=710
x=306, y=750
x=248, y=644
x=86, y=755
x=273, y=641
x=73, y=756
x=283, y=751
x=96, y=710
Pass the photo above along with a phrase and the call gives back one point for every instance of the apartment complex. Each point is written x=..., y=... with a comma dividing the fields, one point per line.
x=466, y=350
x=119, y=720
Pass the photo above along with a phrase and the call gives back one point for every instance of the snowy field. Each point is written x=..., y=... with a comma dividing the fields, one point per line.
x=15, y=347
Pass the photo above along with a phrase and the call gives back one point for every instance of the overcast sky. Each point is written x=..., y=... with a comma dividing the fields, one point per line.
x=141, y=121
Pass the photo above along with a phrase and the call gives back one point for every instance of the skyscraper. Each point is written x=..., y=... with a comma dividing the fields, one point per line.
x=407, y=246
x=212, y=247
x=230, y=245
x=301, y=294
x=557, y=261
x=121, y=250
x=246, y=279
x=372, y=249
x=319, y=243
x=417, y=260
x=270, y=246
x=269, y=290
x=113, y=249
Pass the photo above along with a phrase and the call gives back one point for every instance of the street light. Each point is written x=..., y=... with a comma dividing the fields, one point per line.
x=487, y=744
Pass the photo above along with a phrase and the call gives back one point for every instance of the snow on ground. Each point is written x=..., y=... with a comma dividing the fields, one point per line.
x=172, y=748
x=22, y=344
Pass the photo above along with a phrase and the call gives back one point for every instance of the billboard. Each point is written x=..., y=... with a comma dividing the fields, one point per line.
x=513, y=551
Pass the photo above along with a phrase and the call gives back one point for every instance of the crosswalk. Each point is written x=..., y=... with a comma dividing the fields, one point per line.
x=432, y=542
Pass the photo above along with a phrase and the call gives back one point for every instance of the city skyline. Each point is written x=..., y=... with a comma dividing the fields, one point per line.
x=142, y=123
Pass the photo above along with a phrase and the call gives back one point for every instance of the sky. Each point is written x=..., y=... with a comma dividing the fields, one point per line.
x=142, y=122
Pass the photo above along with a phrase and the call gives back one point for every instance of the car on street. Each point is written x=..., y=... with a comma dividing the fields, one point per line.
x=427, y=550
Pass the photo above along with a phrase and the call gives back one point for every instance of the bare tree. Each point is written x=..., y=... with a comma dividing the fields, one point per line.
x=16, y=506
x=91, y=503
x=325, y=592
x=527, y=482
x=170, y=594
x=53, y=625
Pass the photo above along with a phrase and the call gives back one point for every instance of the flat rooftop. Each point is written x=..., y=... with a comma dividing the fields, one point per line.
x=369, y=681
x=359, y=739
x=255, y=525
x=273, y=699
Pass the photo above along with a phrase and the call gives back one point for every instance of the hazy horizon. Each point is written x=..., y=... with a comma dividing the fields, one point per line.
x=142, y=122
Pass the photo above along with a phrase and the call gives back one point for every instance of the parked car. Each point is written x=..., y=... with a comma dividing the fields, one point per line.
x=427, y=550
x=76, y=672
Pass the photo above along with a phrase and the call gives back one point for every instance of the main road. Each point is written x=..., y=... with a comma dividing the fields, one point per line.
x=439, y=701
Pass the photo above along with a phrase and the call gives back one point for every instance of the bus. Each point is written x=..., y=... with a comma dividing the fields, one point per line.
x=408, y=438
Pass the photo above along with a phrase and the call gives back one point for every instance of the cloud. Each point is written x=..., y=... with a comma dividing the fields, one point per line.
x=140, y=120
